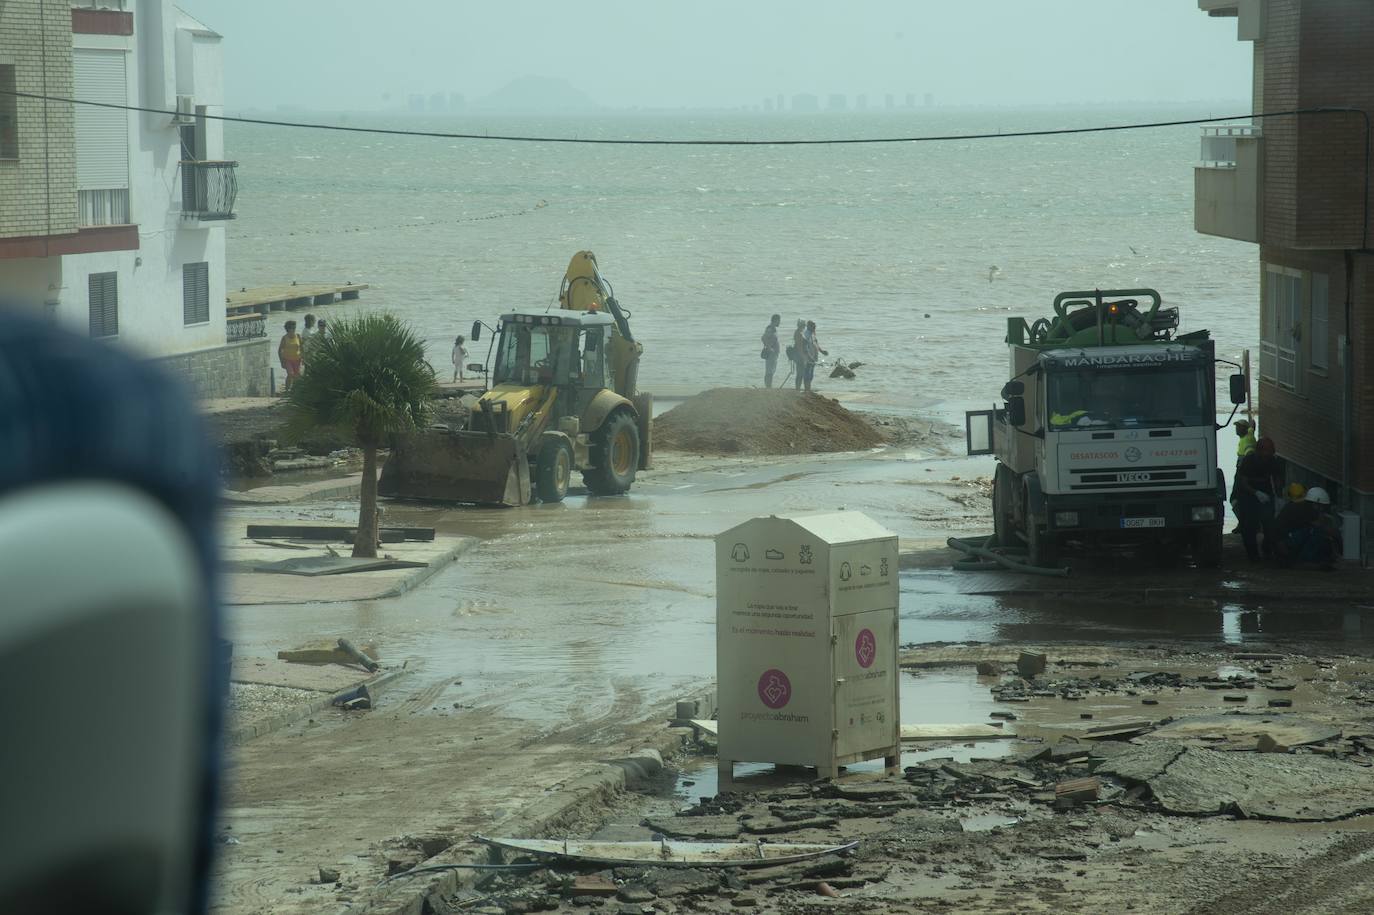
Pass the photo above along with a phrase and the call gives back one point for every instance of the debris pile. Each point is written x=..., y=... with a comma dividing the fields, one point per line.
x=762, y=421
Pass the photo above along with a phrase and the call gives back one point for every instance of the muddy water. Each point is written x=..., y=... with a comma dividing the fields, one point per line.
x=606, y=605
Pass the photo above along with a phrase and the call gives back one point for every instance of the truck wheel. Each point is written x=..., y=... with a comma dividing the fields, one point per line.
x=1207, y=545
x=615, y=452
x=553, y=471
x=1003, y=528
x=1041, y=545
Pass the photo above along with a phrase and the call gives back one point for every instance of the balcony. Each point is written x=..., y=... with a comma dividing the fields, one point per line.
x=208, y=190
x=239, y=328
x=1228, y=192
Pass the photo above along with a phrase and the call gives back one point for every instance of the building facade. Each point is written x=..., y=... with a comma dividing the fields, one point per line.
x=111, y=219
x=1299, y=186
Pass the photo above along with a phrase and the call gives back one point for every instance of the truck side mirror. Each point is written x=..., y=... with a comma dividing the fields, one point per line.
x=476, y=330
x=1016, y=410
x=1238, y=391
x=1013, y=389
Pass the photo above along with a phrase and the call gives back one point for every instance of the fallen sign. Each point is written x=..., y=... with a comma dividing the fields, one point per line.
x=334, y=533
x=670, y=854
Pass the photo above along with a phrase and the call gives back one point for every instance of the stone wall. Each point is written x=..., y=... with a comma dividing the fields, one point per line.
x=235, y=370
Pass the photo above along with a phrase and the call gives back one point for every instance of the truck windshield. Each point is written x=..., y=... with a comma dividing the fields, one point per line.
x=1128, y=398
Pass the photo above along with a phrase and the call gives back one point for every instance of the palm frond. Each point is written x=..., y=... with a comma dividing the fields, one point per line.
x=367, y=376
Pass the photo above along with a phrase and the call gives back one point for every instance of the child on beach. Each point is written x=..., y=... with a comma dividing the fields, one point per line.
x=460, y=359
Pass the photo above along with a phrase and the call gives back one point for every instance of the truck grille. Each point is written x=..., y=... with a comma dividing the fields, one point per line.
x=1171, y=475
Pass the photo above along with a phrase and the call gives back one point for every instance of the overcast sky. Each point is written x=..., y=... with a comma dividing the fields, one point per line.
x=349, y=54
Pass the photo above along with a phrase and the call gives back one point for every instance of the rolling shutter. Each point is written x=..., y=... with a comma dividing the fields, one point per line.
x=102, y=134
x=195, y=293
x=104, y=290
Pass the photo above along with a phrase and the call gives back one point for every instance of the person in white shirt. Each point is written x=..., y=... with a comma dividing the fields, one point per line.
x=460, y=359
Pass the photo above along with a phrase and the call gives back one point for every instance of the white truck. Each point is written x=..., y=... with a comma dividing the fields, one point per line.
x=1108, y=430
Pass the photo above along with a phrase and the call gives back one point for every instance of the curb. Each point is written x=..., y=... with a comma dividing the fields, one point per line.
x=248, y=497
x=242, y=735
x=436, y=565
x=419, y=576
x=411, y=897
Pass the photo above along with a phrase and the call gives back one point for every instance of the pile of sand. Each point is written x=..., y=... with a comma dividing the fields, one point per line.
x=762, y=421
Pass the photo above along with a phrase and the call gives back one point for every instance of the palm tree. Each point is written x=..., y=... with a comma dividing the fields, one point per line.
x=367, y=377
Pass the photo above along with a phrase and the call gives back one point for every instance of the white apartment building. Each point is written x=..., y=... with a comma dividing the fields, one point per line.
x=112, y=220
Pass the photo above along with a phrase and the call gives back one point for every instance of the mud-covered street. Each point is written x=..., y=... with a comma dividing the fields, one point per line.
x=564, y=637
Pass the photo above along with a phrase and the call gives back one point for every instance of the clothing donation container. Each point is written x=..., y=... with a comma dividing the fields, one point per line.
x=806, y=643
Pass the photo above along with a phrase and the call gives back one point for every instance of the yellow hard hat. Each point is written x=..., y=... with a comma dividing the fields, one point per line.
x=1296, y=491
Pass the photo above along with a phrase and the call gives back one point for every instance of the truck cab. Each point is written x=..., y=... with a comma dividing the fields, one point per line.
x=1107, y=433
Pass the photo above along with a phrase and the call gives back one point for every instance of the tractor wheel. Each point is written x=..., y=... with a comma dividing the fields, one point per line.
x=615, y=452
x=1041, y=545
x=553, y=471
x=1002, y=522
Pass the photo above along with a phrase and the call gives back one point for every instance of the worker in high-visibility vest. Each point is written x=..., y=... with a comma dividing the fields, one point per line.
x=1245, y=433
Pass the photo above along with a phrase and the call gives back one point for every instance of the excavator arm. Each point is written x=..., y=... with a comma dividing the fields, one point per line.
x=585, y=289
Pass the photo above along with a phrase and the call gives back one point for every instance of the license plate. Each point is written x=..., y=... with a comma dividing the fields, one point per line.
x=1142, y=522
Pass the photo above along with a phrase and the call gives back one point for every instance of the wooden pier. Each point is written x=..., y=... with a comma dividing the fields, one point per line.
x=262, y=300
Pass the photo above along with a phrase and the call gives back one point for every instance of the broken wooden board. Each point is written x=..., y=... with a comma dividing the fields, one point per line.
x=332, y=533
x=334, y=565
x=670, y=854
x=704, y=726
x=915, y=732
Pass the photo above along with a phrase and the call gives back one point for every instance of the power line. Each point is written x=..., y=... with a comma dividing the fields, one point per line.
x=839, y=141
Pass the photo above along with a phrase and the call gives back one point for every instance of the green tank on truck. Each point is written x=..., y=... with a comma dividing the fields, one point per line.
x=1107, y=431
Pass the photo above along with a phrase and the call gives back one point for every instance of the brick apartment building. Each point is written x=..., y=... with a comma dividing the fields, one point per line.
x=1299, y=187
x=112, y=221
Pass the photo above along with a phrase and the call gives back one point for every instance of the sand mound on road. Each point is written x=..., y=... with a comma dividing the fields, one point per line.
x=762, y=421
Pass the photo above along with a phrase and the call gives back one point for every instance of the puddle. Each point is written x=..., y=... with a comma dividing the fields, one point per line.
x=986, y=822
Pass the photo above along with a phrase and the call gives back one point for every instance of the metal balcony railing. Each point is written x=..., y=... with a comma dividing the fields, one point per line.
x=208, y=189
x=1219, y=143
x=238, y=328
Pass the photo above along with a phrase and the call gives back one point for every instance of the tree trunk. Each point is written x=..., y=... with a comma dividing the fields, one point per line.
x=365, y=546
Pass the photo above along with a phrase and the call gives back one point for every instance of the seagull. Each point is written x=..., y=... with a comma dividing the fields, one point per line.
x=992, y=272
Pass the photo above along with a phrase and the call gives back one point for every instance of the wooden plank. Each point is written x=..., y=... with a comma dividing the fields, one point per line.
x=332, y=533
x=954, y=731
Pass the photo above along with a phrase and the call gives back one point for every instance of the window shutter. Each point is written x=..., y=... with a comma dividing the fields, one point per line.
x=104, y=297
x=195, y=293
x=102, y=134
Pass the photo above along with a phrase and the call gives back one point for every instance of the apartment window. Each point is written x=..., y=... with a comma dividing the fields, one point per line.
x=9, y=114
x=1317, y=340
x=1280, y=331
x=104, y=288
x=195, y=293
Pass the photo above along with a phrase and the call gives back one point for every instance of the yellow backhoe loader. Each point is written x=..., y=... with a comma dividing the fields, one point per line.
x=562, y=398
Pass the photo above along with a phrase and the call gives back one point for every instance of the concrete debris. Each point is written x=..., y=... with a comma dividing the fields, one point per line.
x=329, y=874
x=1030, y=665
x=1201, y=782
x=989, y=669
x=1240, y=731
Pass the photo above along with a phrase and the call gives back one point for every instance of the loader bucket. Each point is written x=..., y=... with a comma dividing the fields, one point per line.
x=444, y=466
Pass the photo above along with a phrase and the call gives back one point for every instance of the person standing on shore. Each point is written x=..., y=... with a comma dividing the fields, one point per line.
x=771, y=349
x=797, y=353
x=460, y=359
x=811, y=351
x=289, y=354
